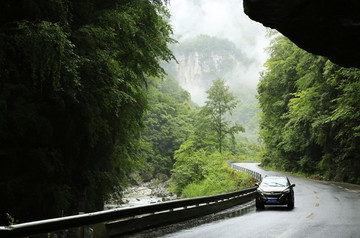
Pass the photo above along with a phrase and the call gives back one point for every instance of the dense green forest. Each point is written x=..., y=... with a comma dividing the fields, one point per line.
x=168, y=124
x=184, y=140
x=201, y=161
x=191, y=144
x=72, y=100
x=310, y=114
x=85, y=105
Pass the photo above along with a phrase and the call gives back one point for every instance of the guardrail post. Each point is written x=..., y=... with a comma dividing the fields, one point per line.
x=100, y=231
x=80, y=232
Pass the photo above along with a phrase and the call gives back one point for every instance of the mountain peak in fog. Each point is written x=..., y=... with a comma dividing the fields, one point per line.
x=204, y=59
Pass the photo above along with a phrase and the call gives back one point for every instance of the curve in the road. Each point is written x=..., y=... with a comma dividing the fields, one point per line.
x=322, y=209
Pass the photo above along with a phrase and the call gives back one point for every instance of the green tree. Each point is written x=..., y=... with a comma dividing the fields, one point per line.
x=72, y=97
x=168, y=124
x=220, y=103
x=309, y=114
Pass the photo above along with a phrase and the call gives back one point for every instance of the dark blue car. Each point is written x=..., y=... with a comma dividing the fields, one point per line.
x=275, y=190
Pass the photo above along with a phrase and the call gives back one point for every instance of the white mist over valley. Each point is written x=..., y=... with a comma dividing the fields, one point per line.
x=217, y=40
x=224, y=20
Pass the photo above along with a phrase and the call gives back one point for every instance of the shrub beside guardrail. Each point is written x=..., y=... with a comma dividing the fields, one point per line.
x=254, y=174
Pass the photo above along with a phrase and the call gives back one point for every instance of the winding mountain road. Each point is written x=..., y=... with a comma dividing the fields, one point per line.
x=322, y=209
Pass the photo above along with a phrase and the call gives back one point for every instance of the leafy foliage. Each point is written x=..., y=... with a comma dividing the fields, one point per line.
x=201, y=173
x=72, y=98
x=213, y=115
x=201, y=168
x=168, y=124
x=309, y=119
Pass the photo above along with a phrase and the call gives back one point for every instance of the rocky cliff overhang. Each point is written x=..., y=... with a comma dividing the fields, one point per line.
x=325, y=27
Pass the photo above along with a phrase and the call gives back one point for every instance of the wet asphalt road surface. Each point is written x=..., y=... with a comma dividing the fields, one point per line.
x=322, y=209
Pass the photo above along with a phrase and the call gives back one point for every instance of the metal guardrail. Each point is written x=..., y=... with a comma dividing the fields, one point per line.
x=124, y=220
x=110, y=223
x=254, y=174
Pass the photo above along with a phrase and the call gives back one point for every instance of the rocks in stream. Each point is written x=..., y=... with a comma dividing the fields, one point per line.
x=144, y=194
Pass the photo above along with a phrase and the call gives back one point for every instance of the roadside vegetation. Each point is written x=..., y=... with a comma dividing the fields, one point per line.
x=72, y=100
x=200, y=173
x=201, y=162
x=310, y=114
x=85, y=105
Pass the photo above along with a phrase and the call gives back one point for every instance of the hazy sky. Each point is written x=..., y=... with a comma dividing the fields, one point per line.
x=225, y=19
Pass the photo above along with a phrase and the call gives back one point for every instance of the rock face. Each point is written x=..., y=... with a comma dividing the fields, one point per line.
x=196, y=71
x=204, y=59
x=325, y=27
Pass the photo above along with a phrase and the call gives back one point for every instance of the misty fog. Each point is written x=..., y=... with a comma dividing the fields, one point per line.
x=224, y=19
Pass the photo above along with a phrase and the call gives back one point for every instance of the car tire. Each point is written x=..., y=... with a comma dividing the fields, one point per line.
x=259, y=205
x=291, y=205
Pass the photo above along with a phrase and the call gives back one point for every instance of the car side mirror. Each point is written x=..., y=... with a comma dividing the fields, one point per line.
x=256, y=184
x=292, y=185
